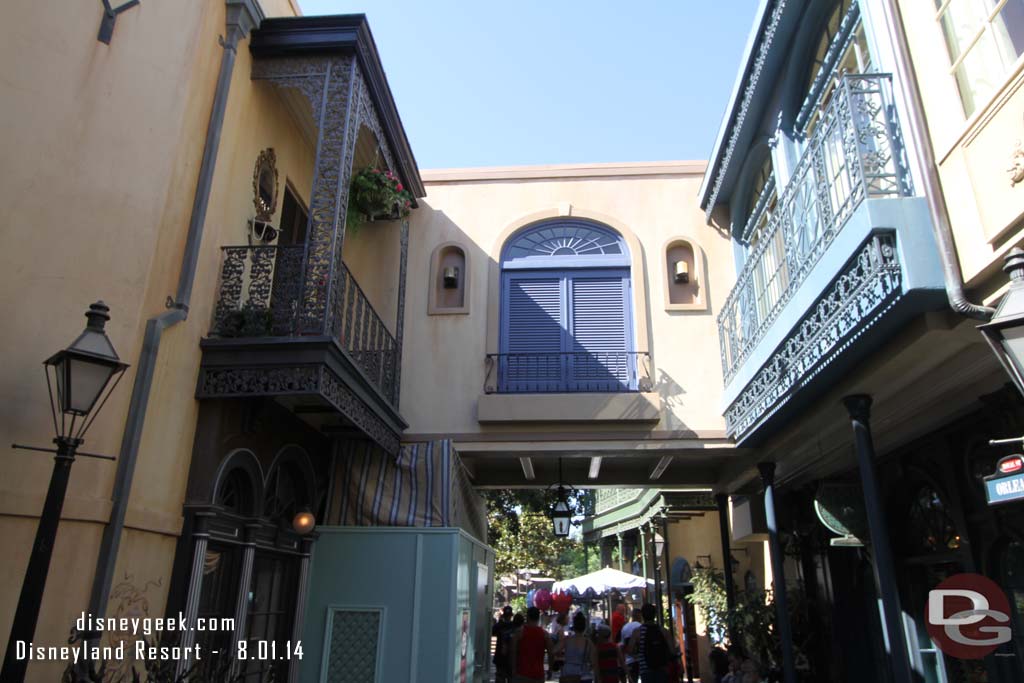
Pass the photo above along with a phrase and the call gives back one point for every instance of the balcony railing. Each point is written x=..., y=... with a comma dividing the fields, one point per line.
x=262, y=294
x=606, y=499
x=855, y=153
x=584, y=371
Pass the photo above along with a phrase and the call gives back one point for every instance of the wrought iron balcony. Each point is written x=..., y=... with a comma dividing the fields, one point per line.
x=575, y=372
x=606, y=499
x=263, y=294
x=853, y=154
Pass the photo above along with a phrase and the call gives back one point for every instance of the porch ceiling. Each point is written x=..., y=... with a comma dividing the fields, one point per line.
x=660, y=464
x=935, y=371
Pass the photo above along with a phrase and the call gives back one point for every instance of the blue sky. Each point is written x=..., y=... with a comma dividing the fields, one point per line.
x=557, y=81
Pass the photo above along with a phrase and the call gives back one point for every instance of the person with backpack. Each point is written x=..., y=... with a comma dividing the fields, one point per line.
x=651, y=646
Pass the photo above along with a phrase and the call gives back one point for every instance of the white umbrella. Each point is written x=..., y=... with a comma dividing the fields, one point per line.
x=600, y=582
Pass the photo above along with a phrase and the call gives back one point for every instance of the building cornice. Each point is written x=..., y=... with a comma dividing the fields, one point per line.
x=564, y=171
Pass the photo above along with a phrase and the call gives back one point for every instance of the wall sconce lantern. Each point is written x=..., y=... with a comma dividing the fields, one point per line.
x=1005, y=332
x=451, y=277
x=682, y=272
x=304, y=521
x=659, y=546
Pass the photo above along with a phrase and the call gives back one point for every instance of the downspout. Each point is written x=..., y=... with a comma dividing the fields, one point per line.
x=242, y=15
x=918, y=128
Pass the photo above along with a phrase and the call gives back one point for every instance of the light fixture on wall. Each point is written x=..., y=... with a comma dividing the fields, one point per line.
x=451, y=277
x=303, y=521
x=681, y=271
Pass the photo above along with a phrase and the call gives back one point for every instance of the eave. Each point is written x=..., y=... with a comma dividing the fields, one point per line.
x=343, y=34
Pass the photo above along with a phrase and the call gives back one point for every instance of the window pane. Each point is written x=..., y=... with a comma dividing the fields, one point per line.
x=960, y=23
x=979, y=73
x=1008, y=26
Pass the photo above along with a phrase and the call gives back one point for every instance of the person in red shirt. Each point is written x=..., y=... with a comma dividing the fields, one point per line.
x=528, y=648
x=618, y=621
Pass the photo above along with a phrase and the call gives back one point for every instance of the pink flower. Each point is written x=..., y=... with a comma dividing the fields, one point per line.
x=399, y=187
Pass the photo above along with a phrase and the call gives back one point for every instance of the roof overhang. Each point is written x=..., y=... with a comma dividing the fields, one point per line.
x=343, y=34
x=763, y=58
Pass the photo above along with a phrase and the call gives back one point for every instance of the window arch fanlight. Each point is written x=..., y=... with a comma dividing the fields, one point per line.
x=238, y=484
x=566, y=310
x=929, y=527
x=290, y=484
x=566, y=242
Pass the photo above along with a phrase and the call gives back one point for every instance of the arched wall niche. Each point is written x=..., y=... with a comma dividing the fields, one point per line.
x=449, y=280
x=690, y=295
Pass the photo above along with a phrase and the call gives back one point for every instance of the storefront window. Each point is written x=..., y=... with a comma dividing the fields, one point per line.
x=984, y=39
x=930, y=528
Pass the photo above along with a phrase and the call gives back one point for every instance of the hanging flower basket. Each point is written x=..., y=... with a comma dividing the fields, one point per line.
x=376, y=195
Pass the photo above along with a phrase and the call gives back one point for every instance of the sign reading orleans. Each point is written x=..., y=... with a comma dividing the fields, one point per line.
x=1007, y=484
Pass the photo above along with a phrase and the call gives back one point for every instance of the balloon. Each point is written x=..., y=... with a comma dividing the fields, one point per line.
x=542, y=599
x=561, y=602
x=529, y=598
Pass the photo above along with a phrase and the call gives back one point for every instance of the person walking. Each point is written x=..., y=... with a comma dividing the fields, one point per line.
x=556, y=631
x=529, y=645
x=652, y=647
x=611, y=665
x=579, y=652
x=502, y=634
x=632, y=665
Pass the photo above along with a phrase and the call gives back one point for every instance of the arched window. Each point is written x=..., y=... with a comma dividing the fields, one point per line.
x=566, y=313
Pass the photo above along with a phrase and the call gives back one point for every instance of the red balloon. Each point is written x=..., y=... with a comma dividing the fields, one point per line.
x=542, y=599
x=561, y=602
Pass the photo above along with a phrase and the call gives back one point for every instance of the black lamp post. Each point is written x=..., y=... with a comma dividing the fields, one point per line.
x=77, y=378
x=1005, y=332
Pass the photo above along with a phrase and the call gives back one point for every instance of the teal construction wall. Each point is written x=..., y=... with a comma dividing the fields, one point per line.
x=421, y=580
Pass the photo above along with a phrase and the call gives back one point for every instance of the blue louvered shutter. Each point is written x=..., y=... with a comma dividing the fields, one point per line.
x=533, y=326
x=598, y=339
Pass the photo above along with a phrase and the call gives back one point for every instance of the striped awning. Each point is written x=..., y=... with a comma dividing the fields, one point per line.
x=425, y=485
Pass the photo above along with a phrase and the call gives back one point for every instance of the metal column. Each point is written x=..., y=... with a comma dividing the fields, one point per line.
x=723, y=529
x=767, y=470
x=859, y=407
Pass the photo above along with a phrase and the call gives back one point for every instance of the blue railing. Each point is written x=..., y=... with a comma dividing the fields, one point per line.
x=854, y=153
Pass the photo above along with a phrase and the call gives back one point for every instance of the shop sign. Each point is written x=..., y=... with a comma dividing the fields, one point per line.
x=1007, y=484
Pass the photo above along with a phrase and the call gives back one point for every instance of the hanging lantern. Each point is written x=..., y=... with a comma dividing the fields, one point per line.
x=561, y=515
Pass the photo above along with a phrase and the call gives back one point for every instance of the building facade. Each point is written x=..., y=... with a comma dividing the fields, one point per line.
x=870, y=207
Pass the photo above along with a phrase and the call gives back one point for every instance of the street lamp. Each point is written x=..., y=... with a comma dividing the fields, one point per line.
x=659, y=546
x=77, y=378
x=1005, y=332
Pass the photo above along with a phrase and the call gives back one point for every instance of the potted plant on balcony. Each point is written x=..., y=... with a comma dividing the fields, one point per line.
x=376, y=194
x=251, y=320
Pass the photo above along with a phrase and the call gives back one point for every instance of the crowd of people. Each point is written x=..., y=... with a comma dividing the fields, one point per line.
x=577, y=651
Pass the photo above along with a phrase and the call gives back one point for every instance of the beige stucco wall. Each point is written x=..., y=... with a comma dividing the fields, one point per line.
x=443, y=368
x=973, y=154
x=102, y=147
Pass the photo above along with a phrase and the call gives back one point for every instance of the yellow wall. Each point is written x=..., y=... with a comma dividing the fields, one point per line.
x=102, y=147
x=445, y=354
x=973, y=154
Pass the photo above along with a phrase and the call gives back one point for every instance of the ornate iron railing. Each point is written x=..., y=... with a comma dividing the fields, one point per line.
x=854, y=153
x=606, y=499
x=262, y=294
x=575, y=372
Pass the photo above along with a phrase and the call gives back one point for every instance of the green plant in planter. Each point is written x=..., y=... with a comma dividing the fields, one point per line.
x=250, y=320
x=709, y=598
x=376, y=195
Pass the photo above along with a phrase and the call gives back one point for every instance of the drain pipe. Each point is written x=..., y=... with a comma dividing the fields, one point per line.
x=918, y=127
x=242, y=15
